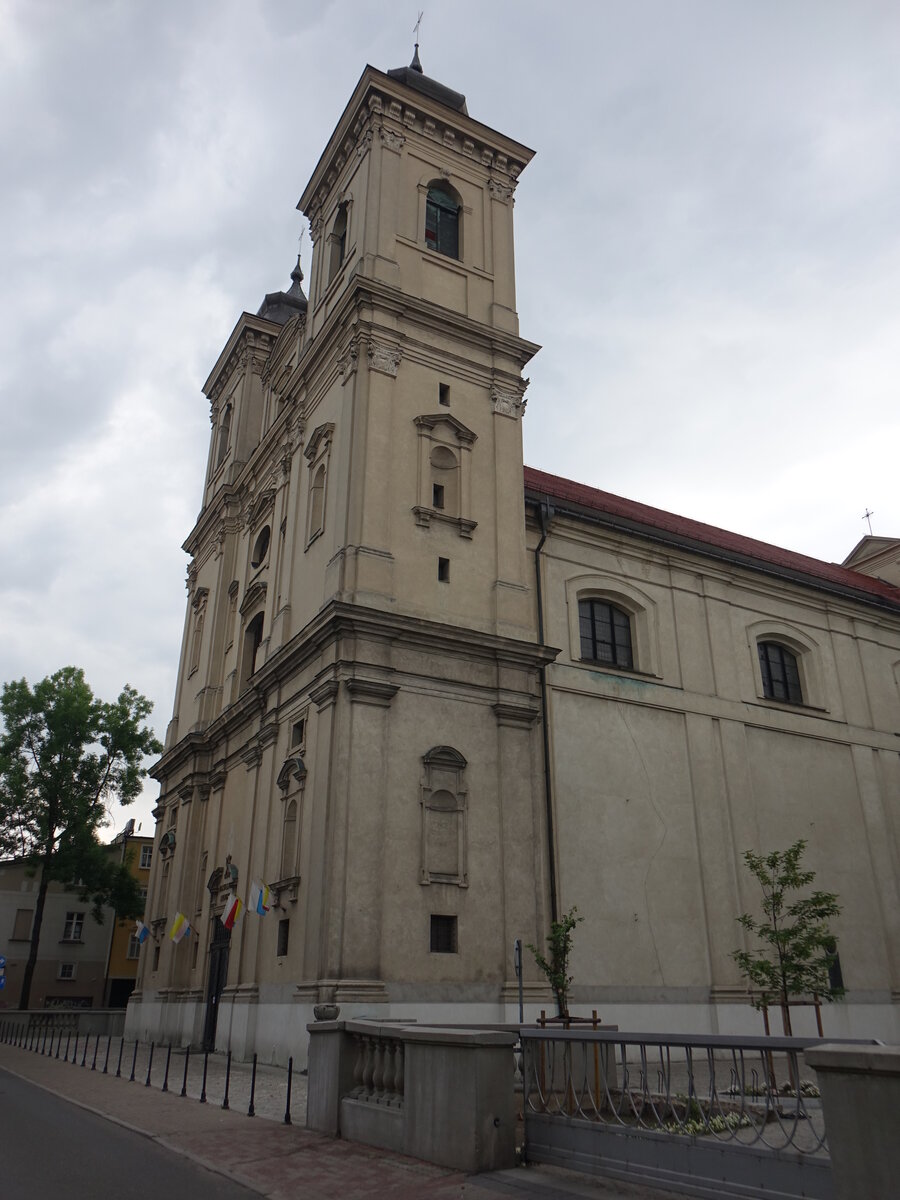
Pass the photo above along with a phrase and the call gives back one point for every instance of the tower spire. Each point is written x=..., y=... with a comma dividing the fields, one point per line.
x=415, y=65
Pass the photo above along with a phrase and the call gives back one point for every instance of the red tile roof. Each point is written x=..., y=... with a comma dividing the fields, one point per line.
x=554, y=487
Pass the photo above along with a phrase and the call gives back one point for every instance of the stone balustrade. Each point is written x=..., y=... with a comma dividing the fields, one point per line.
x=443, y=1095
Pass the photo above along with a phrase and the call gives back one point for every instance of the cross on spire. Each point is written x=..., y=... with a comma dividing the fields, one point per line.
x=416, y=28
x=867, y=516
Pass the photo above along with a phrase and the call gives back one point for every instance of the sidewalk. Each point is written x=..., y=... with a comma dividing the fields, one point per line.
x=277, y=1160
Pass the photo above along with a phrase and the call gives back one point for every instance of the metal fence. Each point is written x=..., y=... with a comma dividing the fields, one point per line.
x=274, y=1093
x=713, y=1116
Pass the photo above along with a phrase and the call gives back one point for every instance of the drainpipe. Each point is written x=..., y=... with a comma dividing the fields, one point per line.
x=545, y=515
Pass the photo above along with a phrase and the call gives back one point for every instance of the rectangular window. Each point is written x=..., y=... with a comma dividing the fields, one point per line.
x=156, y=958
x=298, y=732
x=437, y=495
x=134, y=947
x=835, y=974
x=22, y=925
x=605, y=633
x=443, y=935
x=194, y=953
x=284, y=928
x=201, y=882
x=146, y=857
x=780, y=676
x=66, y=971
x=444, y=570
x=73, y=927
x=444, y=394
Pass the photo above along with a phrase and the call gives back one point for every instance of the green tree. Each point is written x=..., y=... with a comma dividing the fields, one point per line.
x=556, y=967
x=796, y=947
x=64, y=755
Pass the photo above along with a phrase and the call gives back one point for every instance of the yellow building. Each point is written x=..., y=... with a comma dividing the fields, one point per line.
x=124, y=948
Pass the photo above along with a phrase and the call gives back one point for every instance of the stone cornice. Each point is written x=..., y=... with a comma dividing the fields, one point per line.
x=261, y=473
x=371, y=691
x=386, y=109
x=521, y=716
x=251, y=336
x=339, y=620
x=357, y=309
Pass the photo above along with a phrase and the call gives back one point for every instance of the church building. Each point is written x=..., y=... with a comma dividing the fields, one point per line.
x=429, y=698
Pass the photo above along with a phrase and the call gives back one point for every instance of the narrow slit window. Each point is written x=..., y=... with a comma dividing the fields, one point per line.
x=284, y=929
x=444, y=394
x=437, y=495
x=444, y=570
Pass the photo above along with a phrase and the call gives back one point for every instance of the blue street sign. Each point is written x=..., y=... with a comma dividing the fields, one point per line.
x=2, y=961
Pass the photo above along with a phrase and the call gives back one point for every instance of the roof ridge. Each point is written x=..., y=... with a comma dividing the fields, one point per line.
x=712, y=535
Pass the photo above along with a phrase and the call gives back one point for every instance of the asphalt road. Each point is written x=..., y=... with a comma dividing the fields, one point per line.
x=49, y=1147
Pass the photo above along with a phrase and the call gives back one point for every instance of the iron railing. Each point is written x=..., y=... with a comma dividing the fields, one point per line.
x=752, y=1091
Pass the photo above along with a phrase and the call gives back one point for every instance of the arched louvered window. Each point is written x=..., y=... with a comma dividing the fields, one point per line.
x=224, y=436
x=442, y=221
x=780, y=673
x=605, y=633
x=338, y=242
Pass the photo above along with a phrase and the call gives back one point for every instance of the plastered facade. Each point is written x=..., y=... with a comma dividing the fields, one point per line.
x=375, y=656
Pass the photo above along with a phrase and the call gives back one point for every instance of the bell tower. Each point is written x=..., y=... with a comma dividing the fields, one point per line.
x=356, y=719
x=414, y=353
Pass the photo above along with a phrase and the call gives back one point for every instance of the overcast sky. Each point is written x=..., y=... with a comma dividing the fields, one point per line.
x=708, y=251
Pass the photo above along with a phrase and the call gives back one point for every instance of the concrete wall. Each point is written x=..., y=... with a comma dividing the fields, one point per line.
x=860, y=1088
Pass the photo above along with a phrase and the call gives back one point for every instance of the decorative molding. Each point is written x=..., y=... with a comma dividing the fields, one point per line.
x=319, y=442
x=501, y=191
x=250, y=756
x=517, y=716
x=289, y=888
x=465, y=436
x=372, y=691
x=268, y=734
x=259, y=506
x=364, y=143
x=292, y=768
x=424, y=517
x=391, y=139
x=506, y=403
x=384, y=358
x=325, y=694
x=255, y=595
x=347, y=361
